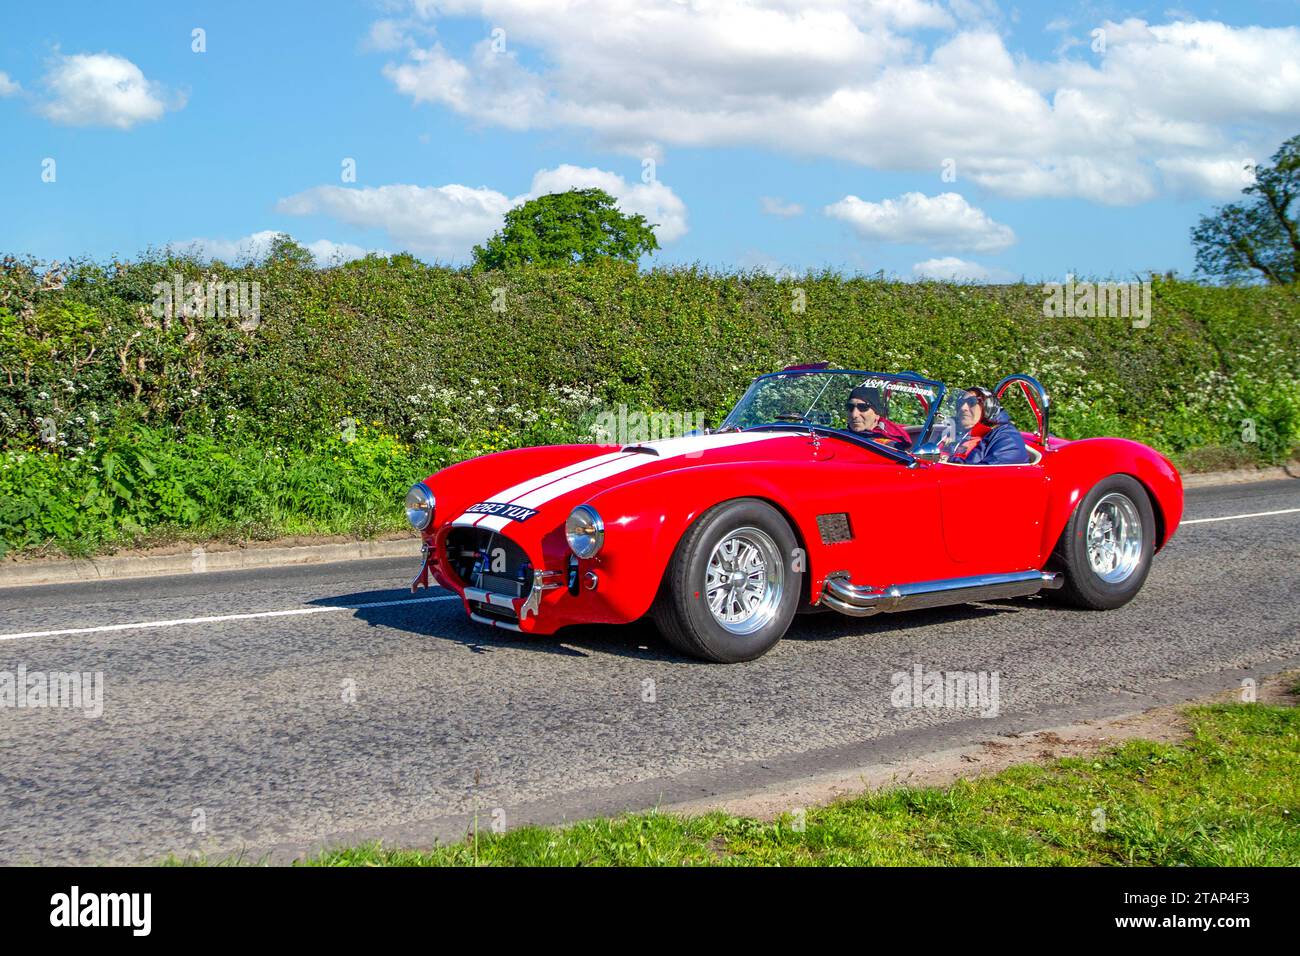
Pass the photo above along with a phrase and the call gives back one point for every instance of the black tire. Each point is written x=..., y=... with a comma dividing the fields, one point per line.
x=682, y=611
x=1119, y=496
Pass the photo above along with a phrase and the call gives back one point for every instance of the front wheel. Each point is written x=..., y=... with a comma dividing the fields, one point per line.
x=1106, y=547
x=730, y=590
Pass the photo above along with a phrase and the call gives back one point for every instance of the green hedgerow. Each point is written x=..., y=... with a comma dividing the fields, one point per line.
x=121, y=413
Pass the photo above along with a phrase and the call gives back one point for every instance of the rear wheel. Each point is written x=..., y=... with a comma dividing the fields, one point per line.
x=730, y=590
x=1106, y=548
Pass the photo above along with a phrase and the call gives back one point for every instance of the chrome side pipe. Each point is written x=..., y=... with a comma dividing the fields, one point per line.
x=860, y=601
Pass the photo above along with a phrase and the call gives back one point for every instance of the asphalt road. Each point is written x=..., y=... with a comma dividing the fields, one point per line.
x=273, y=733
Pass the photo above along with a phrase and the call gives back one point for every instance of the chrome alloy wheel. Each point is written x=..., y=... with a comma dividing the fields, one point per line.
x=744, y=580
x=1114, y=538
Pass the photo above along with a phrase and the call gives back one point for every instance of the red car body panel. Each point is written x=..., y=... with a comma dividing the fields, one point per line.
x=909, y=522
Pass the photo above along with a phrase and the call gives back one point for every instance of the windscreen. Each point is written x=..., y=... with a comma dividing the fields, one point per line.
x=891, y=409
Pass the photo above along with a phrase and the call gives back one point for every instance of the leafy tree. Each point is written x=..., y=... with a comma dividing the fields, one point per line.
x=581, y=225
x=1259, y=238
x=284, y=250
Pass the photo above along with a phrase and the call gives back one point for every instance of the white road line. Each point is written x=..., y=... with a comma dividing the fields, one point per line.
x=1257, y=514
x=134, y=625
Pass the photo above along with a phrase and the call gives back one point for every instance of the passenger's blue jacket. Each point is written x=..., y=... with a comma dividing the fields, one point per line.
x=1002, y=444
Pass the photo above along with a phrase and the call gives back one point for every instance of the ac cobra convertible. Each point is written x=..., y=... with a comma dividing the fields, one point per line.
x=722, y=536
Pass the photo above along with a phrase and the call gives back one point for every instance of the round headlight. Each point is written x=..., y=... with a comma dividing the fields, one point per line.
x=585, y=531
x=419, y=506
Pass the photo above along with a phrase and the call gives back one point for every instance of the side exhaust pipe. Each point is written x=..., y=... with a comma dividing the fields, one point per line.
x=860, y=601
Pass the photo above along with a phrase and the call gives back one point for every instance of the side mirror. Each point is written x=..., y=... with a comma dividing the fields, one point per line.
x=927, y=452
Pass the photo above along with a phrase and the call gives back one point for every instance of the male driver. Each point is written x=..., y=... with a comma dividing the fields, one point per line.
x=988, y=437
x=866, y=417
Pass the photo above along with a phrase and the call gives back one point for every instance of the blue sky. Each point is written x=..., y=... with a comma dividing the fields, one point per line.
x=780, y=135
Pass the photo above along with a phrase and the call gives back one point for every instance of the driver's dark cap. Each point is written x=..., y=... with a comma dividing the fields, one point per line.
x=867, y=395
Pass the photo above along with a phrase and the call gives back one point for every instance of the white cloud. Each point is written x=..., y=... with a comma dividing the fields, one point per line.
x=779, y=207
x=495, y=89
x=447, y=221
x=439, y=221
x=626, y=69
x=872, y=83
x=952, y=269
x=8, y=87
x=386, y=36
x=1222, y=178
x=945, y=221
x=911, y=14
x=256, y=246
x=101, y=89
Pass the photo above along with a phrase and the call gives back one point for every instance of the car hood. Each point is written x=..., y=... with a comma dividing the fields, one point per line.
x=539, y=486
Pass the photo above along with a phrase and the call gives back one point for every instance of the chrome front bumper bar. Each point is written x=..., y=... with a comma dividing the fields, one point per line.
x=543, y=581
x=518, y=607
x=860, y=601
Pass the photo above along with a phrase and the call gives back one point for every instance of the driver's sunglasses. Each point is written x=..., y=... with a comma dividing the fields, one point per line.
x=968, y=401
x=858, y=407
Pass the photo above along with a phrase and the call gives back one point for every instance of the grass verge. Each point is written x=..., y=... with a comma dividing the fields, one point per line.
x=1227, y=796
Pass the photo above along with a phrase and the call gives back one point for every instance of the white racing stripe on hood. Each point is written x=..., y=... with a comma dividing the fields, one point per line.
x=532, y=484
x=546, y=488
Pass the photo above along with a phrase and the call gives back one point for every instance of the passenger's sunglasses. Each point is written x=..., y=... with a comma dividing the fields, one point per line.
x=968, y=402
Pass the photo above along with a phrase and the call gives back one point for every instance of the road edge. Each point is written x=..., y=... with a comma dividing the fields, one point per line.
x=28, y=573
x=1242, y=475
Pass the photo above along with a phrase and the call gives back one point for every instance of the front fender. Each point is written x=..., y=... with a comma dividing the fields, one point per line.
x=645, y=519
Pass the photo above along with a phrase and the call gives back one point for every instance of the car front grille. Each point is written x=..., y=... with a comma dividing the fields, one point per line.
x=489, y=560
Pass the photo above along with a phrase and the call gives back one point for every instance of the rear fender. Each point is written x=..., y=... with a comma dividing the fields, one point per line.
x=1075, y=467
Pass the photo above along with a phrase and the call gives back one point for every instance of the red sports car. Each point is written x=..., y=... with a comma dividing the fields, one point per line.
x=793, y=504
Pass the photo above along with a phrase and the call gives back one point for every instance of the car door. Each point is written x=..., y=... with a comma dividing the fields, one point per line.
x=993, y=514
x=891, y=509
x=867, y=517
